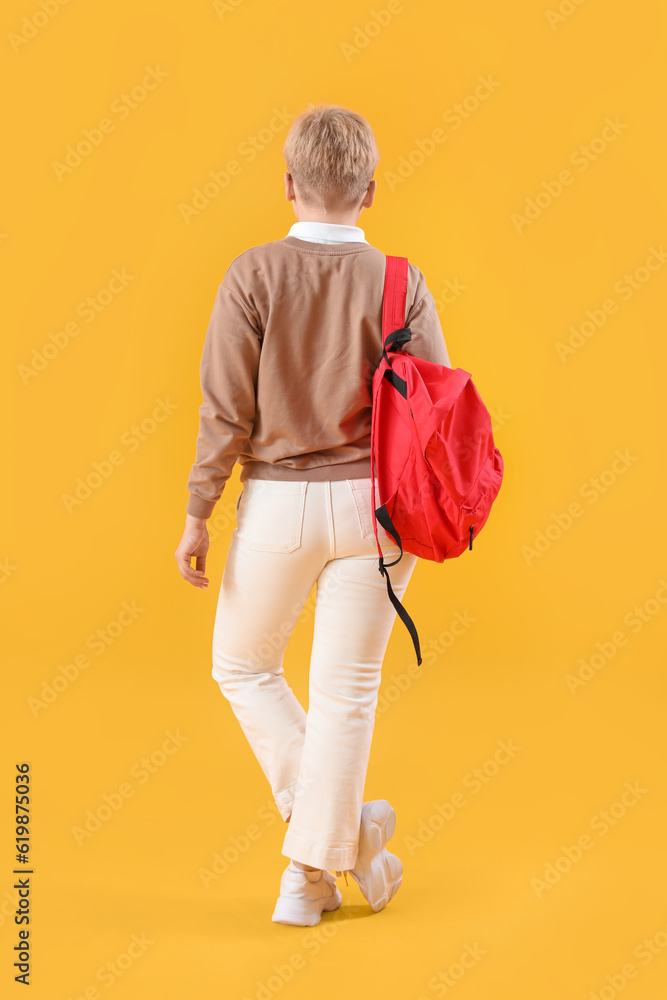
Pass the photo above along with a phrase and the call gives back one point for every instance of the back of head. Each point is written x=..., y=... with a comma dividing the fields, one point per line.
x=331, y=154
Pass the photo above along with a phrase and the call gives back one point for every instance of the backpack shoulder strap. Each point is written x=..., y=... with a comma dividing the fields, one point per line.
x=395, y=293
x=394, y=335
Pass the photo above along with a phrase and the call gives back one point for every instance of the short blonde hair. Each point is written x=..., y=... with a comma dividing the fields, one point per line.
x=331, y=154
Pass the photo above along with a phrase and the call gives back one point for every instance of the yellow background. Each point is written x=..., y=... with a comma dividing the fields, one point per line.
x=472, y=881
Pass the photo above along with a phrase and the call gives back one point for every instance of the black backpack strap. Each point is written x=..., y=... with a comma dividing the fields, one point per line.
x=402, y=613
x=385, y=520
x=395, y=341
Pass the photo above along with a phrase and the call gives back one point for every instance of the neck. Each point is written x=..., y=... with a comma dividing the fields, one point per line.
x=335, y=220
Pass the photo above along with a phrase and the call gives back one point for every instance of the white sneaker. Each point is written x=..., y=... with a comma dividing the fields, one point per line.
x=378, y=873
x=304, y=895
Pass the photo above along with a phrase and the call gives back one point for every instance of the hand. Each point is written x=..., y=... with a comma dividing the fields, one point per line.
x=195, y=543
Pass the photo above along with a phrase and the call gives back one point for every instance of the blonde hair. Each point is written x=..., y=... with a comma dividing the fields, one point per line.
x=331, y=154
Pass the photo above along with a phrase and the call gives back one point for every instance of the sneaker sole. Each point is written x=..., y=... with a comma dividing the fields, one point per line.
x=304, y=912
x=378, y=873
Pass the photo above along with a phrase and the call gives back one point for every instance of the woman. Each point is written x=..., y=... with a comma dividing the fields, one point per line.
x=286, y=372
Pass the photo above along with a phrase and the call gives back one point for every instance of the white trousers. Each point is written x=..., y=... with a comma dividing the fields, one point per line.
x=290, y=536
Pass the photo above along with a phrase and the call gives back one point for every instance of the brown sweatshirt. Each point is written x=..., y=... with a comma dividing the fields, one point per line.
x=287, y=364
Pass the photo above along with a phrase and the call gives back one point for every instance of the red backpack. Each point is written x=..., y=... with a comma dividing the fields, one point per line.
x=438, y=469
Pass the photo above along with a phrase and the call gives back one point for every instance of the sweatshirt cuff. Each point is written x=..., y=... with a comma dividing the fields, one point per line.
x=198, y=507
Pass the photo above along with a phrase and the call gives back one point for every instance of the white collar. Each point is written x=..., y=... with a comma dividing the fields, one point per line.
x=327, y=232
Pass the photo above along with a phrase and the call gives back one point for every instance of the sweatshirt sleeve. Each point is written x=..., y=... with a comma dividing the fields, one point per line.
x=228, y=374
x=428, y=341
